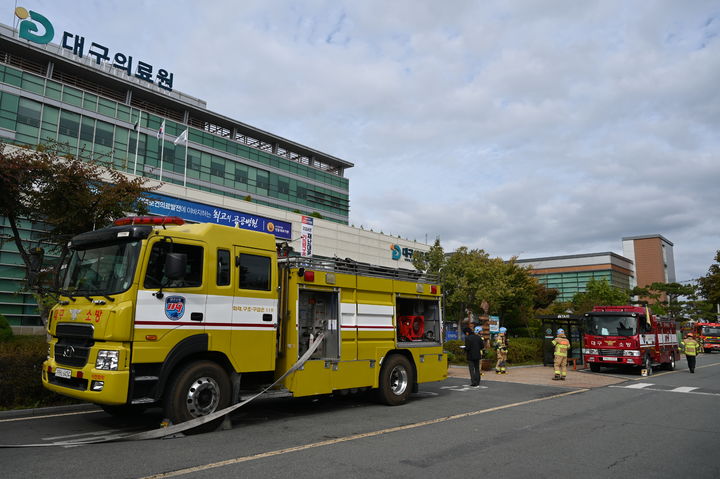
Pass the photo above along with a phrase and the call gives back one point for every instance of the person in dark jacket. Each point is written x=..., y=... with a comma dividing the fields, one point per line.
x=473, y=349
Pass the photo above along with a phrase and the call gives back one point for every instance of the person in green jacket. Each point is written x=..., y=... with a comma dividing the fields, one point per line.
x=691, y=348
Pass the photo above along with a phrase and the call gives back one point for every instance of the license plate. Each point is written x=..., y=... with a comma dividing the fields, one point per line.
x=609, y=359
x=63, y=373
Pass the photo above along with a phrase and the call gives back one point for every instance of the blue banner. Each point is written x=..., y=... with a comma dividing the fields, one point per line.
x=191, y=211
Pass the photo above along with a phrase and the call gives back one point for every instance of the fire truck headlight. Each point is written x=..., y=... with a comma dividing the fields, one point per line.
x=590, y=351
x=632, y=353
x=107, y=360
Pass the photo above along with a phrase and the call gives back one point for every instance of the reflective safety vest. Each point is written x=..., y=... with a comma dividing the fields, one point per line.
x=501, y=344
x=561, y=346
x=691, y=347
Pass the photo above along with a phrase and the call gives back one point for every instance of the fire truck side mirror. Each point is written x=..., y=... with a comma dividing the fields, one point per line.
x=175, y=265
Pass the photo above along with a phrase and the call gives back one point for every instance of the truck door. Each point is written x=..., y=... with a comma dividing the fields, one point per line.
x=165, y=304
x=255, y=309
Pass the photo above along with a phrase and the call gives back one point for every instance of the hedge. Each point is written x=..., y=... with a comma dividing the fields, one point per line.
x=21, y=359
x=6, y=331
x=520, y=351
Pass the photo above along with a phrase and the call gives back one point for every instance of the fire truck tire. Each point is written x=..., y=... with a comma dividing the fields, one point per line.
x=396, y=380
x=670, y=365
x=595, y=367
x=198, y=389
x=647, y=364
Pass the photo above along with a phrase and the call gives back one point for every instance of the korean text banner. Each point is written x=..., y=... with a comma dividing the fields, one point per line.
x=191, y=211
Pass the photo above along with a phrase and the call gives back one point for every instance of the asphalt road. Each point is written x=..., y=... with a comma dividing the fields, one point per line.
x=664, y=425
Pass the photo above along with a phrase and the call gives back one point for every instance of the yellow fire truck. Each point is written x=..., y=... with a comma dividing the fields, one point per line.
x=190, y=317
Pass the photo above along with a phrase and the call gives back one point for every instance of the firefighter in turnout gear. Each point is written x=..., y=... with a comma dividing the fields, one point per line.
x=691, y=348
x=501, y=350
x=562, y=345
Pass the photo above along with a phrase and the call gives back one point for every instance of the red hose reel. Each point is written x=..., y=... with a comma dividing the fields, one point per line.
x=412, y=328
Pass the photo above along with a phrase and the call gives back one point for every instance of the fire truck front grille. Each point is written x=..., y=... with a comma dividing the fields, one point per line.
x=73, y=351
x=610, y=352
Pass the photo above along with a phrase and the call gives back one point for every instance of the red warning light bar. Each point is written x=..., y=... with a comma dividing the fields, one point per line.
x=149, y=220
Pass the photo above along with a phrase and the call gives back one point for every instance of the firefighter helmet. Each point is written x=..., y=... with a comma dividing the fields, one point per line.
x=561, y=331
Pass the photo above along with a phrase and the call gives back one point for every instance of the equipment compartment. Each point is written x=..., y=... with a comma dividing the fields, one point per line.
x=418, y=320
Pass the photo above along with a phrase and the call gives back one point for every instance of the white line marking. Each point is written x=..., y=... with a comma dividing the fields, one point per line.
x=669, y=390
x=683, y=389
x=639, y=386
x=48, y=415
x=238, y=460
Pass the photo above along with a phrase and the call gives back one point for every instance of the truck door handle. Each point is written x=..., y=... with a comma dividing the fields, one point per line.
x=267, y=317
x=196, y=316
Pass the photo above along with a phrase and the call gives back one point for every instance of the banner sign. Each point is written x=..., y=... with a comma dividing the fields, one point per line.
x=36, y=28
x=306, y=236
x=188, y=210
x=494, y=324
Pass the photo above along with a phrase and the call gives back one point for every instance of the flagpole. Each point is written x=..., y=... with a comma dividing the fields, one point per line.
x=187, y=135
x=137, y=141
x=162, y=147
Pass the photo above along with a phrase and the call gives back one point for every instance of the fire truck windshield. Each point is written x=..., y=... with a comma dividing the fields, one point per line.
x=607, y=325
x=107, y=269
x=711, y=331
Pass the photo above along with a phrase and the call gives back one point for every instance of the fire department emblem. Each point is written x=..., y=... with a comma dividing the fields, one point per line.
x=174, y=307
x=610, y=343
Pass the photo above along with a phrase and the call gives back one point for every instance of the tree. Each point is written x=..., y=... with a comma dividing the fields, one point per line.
x=470, y=277
x=68, y=195
x=432, y=261
x=666, y=297
x=709, y=285
x=599, y=293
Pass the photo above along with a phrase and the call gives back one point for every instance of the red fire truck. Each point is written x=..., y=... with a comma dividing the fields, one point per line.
x=629, y=336
x=710, y=336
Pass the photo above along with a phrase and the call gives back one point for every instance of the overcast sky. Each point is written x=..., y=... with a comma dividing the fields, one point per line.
x=526, y=128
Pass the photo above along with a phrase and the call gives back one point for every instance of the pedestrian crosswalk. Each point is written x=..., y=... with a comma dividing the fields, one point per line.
x=669, y=389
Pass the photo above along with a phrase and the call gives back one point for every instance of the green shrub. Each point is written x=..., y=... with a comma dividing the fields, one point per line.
x=520, y=351
x=5, y=330
x=21, y=361
x=525, y=350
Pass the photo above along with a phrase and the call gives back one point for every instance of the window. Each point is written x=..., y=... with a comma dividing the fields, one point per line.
x=104, y=133
x=283, y=187
x=263, y=180
x=69, y=123
x=217, y=168
x=223, y=267
x=254, y=272
x=155, y=275
x=87, y=129
x=29, y=112
x=241, y=175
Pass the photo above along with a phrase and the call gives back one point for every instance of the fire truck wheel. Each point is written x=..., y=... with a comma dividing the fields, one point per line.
x=647, y=364
x=595, y=367
x=396, y=380
x=198, y=389
x=670, y=365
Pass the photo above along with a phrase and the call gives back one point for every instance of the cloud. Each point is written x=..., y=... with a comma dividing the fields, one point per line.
x=531, y=128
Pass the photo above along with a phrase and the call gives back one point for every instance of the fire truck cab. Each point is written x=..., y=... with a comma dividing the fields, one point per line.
x=629, y=336
x=709, y=336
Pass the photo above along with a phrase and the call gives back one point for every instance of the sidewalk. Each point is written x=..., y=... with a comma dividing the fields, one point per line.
x=541, y=376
